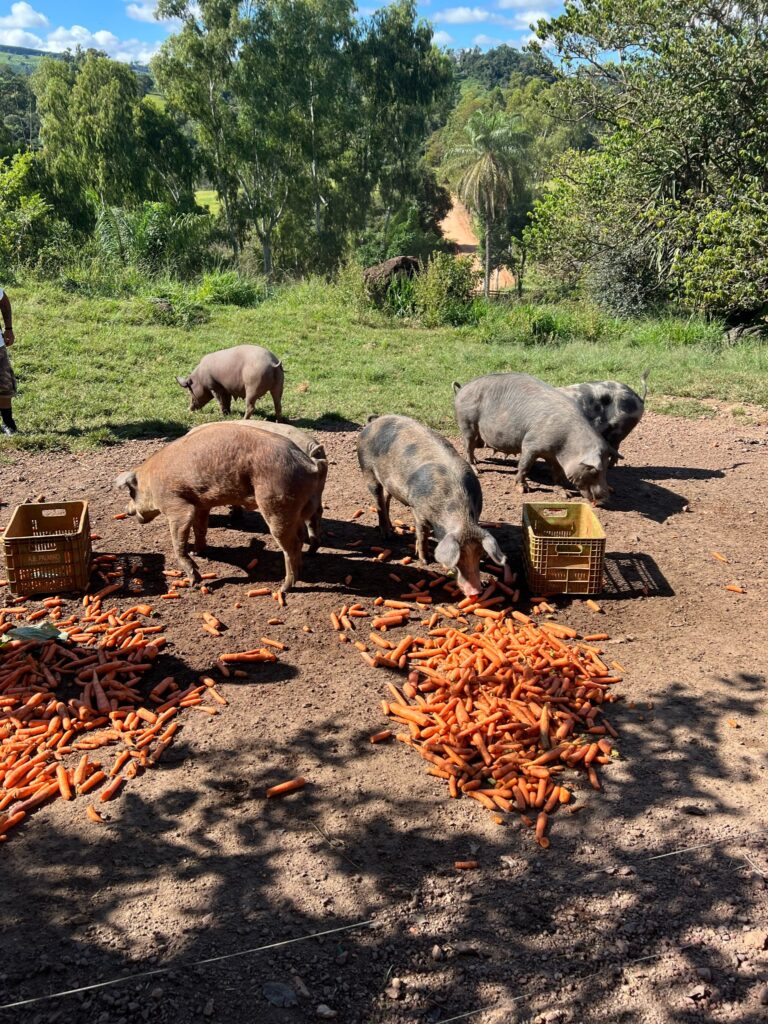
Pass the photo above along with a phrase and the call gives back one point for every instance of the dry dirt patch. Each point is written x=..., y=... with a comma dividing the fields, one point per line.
x=194, y=863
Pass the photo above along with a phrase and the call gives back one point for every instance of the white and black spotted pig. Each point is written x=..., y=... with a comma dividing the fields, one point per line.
x=401, y=458
x=613, y=408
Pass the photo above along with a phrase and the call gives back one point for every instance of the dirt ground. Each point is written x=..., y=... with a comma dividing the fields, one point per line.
x=651, y=904
x=457, y=228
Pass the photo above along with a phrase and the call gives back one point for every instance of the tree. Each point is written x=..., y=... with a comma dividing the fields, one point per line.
x=488, y=169
x=679, y=94
x=98, y=132
x=301, y=112
x=19, y=123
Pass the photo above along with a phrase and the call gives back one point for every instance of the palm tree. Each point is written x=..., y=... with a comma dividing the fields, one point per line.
x=487, y=161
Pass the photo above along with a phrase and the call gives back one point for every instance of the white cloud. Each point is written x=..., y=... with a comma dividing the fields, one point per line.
x=506, y=5
x=18, y=37
x=483, y=40
x=144, y=11
x=441, y=39
x=473, y=15
x=119, y=49
x=23, y=15
x=462, y=15
x=526, y=18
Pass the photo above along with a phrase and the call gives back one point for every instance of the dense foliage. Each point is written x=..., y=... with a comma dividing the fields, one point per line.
x=671, y=203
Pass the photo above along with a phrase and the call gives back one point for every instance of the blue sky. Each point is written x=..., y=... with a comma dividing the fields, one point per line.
x=127, y=30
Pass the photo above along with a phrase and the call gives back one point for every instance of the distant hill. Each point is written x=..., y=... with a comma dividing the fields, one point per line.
x=23, y=60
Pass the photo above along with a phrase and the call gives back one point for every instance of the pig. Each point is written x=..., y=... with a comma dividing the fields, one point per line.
x=308, y=444
x=613, y=408
x=229, y=463
x=245, y=371
x=301, y=438
x=518, y=414
x=401, y=458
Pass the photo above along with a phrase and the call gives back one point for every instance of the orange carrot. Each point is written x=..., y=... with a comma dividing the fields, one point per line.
x=466, y=865
x=94, y=815
x=379, y=737
x=91, y=782
x=109, y=790
x=286, y=787
x=63, y=781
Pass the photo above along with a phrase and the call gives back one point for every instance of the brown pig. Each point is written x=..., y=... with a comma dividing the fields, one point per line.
x=229, y=464
x=245, y=371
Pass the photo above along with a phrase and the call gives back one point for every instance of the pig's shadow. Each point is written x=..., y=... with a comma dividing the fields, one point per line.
x=632, y=487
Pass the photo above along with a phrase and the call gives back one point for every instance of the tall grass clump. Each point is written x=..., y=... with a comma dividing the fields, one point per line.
x=443, y=294
x=228, y=288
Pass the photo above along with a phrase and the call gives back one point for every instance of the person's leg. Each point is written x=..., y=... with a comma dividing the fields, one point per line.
x=7, y=391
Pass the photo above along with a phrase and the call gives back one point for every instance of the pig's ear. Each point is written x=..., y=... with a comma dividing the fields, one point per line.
x=184, y=382
x=592, y=461
x=126, y=480
x=447, y=551
x=492, y=549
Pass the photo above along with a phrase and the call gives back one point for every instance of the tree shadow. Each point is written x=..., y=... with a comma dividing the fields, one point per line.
x=204, y=866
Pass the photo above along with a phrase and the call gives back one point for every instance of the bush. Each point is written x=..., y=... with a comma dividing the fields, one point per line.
x=172, y=307
x=154, y=238
x=444, y=293
x=228, y=288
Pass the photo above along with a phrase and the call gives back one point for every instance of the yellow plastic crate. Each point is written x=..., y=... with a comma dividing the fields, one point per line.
x=48, y=548
x=563, y=548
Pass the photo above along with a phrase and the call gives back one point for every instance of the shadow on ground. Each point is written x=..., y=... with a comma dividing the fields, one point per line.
x=529, y=930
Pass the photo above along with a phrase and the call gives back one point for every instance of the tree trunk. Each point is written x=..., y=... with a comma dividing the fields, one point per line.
x=520, y=272
x=266, y=251
x=487, y=281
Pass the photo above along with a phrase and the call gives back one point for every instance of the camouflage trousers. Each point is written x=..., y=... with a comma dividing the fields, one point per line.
x=7, y=379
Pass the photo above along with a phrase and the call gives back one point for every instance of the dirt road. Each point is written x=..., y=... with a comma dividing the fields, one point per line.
x=649, y=908
x=457, y=228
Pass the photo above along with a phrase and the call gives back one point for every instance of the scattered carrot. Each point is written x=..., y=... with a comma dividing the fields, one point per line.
x=735, y=588
x=720, y=558
x=94, y=815
x=286, y=787
x=121, y=515
x=379, y=737
x=466, y=865
x=593, y=606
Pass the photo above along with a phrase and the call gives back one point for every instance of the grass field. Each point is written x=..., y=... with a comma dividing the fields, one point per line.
x=209, y=199
x=96, y=371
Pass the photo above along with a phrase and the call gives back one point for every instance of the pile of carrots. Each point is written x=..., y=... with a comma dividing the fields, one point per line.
x=64, y=703
x=503, y=708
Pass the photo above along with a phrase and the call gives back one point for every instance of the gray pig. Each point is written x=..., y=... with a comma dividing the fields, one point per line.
x=401, y=458
x=308, y=444
x=245, y=371
x=229, y=464
x=515, y=413
x=613, y=408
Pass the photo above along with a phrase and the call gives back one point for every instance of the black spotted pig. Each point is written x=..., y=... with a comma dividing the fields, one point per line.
x=401, y=458
x=245, y=371
x=613, y=408
x=518, y=414
x=229, y=464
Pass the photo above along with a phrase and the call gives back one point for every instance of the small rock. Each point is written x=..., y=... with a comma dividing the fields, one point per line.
x=693, y=809
x=342, y=957
x=325, y=1012
x=278, y=994
x=704, y=973
x=208, y=1008
x=757, y=938
x=699, y=992
x=300, y=987
x=156, y=993
x=437, y=953
x=763, y=997
x=392, y=992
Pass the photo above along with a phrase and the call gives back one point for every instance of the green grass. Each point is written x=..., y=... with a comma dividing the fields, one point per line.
x=209, y=199
x=97, y=371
